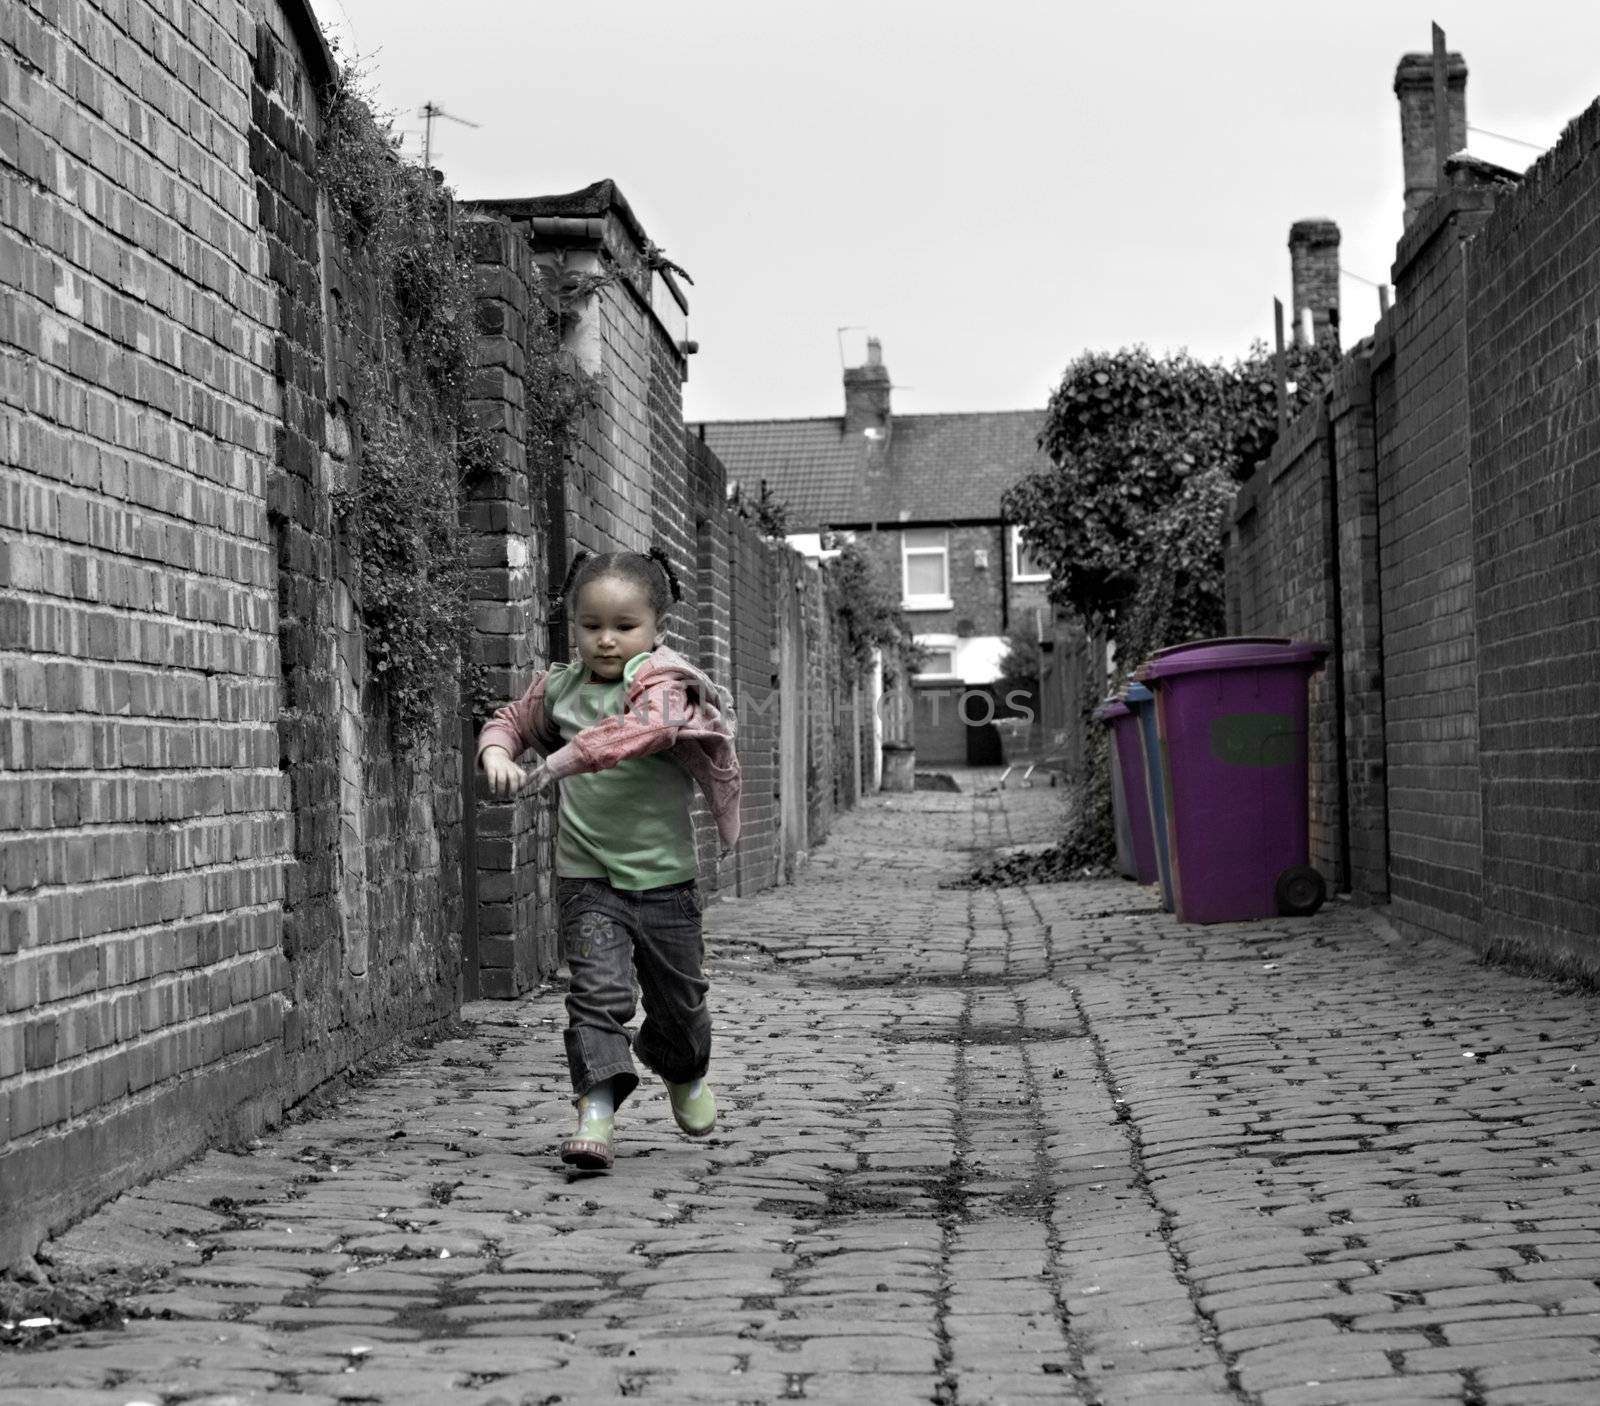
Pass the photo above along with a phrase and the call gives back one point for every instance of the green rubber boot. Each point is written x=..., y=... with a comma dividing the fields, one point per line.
x=694, y=1108
x=589, y=1149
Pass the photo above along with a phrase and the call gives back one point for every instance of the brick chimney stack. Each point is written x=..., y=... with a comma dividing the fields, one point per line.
x=866, y=393
x=1413, y=85
x=1314, y=278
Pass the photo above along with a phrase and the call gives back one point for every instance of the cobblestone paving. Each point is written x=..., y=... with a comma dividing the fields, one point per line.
x=978, y=1146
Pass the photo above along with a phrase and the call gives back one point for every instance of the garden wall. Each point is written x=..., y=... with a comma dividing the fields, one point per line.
x=1455, y=451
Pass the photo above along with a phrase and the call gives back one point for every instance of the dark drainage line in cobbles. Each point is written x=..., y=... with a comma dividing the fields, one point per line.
x=952, y=1198
x=1141, y=1178
x=1074, y=1365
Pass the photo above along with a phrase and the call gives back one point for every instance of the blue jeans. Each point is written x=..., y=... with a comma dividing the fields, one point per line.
x=607, y=934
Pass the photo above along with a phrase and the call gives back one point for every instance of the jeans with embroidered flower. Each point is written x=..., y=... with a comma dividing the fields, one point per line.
x=610, y=936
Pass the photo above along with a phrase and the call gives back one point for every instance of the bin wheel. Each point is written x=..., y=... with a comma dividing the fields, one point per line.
x=1300, y=891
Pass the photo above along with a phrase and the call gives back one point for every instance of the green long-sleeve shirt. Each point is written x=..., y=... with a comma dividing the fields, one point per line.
x=629, y=824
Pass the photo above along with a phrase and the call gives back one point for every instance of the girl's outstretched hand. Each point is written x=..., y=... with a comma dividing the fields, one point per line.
x=502, y=775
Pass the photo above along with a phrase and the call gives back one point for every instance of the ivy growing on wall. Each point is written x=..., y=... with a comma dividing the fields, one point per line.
x=416, y=443
x=868, y=611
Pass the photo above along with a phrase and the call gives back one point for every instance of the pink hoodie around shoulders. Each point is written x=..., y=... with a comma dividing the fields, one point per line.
x=671, y=707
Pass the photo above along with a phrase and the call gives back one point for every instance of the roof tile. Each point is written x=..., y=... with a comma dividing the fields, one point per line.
x=934, y=468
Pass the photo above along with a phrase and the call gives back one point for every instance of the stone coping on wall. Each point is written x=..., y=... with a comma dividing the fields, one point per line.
x=1464, y=205
x=597, y=217
x=1517, y=204
x=1350, y=387
x=1303, y=431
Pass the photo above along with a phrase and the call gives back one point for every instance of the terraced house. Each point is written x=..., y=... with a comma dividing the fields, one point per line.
x=921, y=494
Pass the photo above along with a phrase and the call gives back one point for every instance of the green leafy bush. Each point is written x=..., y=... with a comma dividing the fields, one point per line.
x=1132, y=516
x=1146, y=454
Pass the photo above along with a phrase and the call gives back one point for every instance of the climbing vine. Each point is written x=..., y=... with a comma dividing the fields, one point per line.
x=868, y=612
x=415, y=439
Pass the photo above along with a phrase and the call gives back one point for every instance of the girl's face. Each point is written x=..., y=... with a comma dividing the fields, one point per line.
x=614, y=622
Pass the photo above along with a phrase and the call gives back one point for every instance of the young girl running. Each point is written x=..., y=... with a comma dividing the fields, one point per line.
x=627, y=730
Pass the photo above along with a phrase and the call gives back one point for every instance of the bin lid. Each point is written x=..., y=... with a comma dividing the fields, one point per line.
x=1252, y=652
x=1135, y=693
x=1219, y=639
x=1111, y=708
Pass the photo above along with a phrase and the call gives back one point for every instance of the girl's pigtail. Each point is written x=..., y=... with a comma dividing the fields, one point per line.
x=659, y=555
x=577, y=561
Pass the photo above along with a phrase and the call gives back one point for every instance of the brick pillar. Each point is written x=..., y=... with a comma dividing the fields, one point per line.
x=1314, y=279
x=1413, y=86
x=1360, y=628
x=509, y=565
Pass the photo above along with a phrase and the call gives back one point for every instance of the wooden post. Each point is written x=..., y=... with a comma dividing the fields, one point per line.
x=1280, y=369
x=1441, y=108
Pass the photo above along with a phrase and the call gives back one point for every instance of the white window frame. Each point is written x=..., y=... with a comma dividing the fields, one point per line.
x=941, y=642
x=908, y=601
x=1017, y=548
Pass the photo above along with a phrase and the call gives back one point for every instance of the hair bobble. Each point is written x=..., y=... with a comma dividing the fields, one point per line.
x=658, y=554
x=577, y=561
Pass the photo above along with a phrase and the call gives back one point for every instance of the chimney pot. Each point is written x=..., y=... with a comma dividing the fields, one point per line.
x=1413, y=86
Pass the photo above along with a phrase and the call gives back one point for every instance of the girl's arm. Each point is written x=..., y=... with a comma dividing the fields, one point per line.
x=520, y=725
x=647, y=724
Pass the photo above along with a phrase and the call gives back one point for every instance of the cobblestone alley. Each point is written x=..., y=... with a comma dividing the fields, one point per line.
x=978, y=1146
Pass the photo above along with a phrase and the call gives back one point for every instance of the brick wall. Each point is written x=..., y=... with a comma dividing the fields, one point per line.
x=142, y=861
x=372, y=902
x=1424, y=532
x=514, y=916
x=1287, y=581
x=713, y=649
x=1461, y=455
x=753, y=632
x=1360, y=617
x=1533, y=377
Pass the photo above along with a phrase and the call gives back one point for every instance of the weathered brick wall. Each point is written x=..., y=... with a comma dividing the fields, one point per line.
x=143, y=811
x=516, y=924
x=831, y=783
x=372, y=906
x=1286, y=581
x=1533, y=377
x=713, y=649
x=610, y=481
x=1350, y=413
x=752, y=592
x=793, y=644
x=1425, y=543
x=222, y=886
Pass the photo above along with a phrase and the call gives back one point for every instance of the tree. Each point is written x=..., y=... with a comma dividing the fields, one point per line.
x=1146, y=455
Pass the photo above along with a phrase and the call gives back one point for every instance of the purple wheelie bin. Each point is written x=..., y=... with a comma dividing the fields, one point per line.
x=1231, y=715
x=1136, y=845
x=1107, y=713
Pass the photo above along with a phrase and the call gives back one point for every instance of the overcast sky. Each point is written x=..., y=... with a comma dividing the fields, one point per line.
x=990, y=188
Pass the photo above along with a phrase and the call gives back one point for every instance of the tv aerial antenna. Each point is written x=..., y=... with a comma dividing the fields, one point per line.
x=429, y=111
